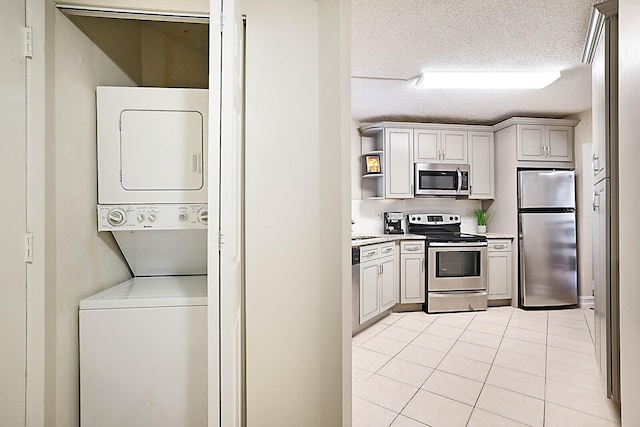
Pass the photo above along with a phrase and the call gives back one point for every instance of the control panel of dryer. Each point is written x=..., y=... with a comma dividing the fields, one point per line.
x=152, y=217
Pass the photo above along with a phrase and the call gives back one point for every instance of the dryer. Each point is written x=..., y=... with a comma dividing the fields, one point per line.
x=143, y=343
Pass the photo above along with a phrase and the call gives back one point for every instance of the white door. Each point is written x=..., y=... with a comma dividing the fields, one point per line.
x=13, y=216
x=232, y=347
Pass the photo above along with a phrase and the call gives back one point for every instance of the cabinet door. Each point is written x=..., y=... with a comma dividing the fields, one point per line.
x=531, y=142
x=599, y=103
x=412, y=276
x=369, y=295
x=426, y=145
x=481, y=160
x=499, y=275
x=454, y=147
x=388, y=283
x=399, y=163
x=559, y=140
x=600, y=282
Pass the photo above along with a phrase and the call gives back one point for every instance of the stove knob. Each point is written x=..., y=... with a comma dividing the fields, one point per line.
x=450, y=218
x=413, y=218
x=419, y=218
x=152, y=217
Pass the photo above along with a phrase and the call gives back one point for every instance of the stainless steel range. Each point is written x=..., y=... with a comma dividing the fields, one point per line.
x=456, y=274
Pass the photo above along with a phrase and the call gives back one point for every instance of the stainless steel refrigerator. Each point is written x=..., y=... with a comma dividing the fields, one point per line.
x=547, y=233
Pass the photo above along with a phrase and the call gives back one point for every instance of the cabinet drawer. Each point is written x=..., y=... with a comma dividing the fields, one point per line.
x=499, y=245
x=412, y=247
x=387, y=249
x=369, y=252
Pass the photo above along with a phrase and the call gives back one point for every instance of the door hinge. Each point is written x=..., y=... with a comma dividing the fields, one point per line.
x=28, y=247
x=28, y=42
x=219, y=240
x=221, y=22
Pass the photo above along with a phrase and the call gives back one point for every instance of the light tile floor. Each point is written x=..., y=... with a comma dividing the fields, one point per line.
x=502, y=367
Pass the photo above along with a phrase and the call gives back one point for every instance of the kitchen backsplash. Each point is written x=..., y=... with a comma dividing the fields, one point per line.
x=368, y=214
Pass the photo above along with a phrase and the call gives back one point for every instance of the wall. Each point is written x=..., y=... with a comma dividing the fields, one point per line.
x=368, y=214
x=85, y=261
x=584, y=190
x=294, y=225
x=629, y=155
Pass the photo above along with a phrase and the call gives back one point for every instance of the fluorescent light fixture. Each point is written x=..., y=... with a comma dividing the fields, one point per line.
x=486, y=80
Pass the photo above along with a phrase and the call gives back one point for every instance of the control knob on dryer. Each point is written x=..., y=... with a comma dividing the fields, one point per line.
x=116, y=217
x=203, y=215
x=183, y=216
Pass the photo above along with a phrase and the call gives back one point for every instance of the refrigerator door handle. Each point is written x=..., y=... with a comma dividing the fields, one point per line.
x=522, y=275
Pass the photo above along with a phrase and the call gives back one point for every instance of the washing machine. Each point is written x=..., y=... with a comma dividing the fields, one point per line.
x=143, y=353
x=143, y=342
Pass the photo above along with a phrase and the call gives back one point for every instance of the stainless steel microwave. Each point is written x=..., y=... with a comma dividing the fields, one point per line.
x=434, y=179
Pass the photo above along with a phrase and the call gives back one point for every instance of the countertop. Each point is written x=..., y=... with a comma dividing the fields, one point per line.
x=496, y=235
x=357, y=240
x=372, y=239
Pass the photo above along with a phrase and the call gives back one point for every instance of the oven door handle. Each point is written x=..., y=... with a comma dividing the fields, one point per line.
x=459, y=180
x=457, y=244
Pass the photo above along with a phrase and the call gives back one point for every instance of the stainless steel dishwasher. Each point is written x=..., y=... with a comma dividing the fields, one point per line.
x=355, y=288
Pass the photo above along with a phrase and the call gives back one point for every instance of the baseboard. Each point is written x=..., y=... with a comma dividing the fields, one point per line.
x=586, y=302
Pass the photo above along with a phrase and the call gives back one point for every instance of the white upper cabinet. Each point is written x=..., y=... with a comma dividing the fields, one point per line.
x=482, y=163
x=440, y=146
x=427, y=146
x=454, y=147
x=545, y=143
x=398, y=160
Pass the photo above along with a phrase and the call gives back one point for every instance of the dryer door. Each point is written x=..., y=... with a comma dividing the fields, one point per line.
x=161, y=150
x=152, y=145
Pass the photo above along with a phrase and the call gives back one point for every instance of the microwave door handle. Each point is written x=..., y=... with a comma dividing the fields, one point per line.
x=459, y=180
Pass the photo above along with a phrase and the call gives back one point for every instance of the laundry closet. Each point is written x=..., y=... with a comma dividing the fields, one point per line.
x=148, y=275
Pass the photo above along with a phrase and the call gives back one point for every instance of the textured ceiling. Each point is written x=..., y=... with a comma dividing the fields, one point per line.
x=396, y=39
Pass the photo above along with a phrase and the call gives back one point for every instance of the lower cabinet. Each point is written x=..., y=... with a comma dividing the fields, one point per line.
x=412, y=272
x=378, y=280
x=499, y=269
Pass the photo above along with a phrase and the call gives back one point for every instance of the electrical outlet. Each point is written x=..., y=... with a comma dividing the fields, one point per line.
x=378, y=214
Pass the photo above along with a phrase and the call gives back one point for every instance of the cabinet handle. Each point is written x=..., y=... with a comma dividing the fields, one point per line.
x=380, y=268
x=500, y=246
x=412, y=248
x=387, y=250
x=370, y=253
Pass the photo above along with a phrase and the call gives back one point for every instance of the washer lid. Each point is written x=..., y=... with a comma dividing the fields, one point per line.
x=144, y=292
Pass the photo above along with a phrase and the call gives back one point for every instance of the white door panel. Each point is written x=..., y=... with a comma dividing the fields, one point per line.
x=13, y=215
x=232, y=340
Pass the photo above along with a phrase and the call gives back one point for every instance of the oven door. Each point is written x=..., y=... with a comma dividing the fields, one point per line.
x=441, y=179
x=457, y=266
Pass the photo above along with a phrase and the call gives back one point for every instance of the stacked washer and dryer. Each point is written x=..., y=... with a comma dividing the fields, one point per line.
x=143, y=343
